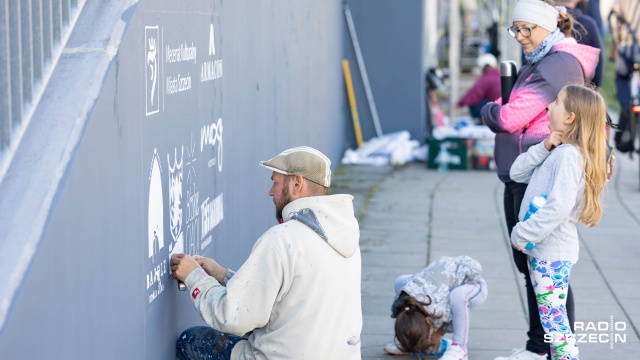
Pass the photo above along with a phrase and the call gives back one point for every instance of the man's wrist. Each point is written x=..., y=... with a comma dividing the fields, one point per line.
x=228, y=275
x=222, y=273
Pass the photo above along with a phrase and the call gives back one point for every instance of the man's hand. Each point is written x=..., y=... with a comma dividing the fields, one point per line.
x=211, y=267
x=554, y=139
x=182, y=265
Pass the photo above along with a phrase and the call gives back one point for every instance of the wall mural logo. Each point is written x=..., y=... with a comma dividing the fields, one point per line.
x=212, y=215
x=175, y=202
x=151, y=69
x=212, y=42
x=155, y=226
x=192, y=216
x=211, y=69
x=212, y=135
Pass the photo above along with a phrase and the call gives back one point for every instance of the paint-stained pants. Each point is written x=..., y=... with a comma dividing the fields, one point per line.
x=204, y=343
x=550, y=280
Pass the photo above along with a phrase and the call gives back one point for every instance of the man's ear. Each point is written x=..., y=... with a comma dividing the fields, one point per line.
x=570, y=119
x=298, y=185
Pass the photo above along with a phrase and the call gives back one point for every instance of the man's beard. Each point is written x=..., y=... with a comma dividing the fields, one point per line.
x=284, y=201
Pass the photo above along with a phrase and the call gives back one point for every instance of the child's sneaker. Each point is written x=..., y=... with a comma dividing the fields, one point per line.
x=392, y=349
x=522, y=354
x=455, y=352
x=444, y=345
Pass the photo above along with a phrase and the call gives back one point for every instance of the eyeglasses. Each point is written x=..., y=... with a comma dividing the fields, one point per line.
x=615, y=127
x=526, y=32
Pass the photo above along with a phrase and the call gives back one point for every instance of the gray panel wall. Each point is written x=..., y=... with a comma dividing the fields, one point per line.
x=155, y=172
x=391, y=36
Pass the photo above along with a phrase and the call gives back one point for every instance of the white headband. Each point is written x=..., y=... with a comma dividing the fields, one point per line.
x=536, y=12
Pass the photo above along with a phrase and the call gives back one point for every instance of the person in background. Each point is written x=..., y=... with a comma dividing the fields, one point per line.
x=625, y=31
x=588, y=33
x=485, y=89
x=553, y=60
x=298, y=294
x=592, y=8
x=469, y=10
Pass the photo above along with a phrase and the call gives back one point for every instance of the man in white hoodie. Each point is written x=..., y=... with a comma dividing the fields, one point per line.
x=297, y=296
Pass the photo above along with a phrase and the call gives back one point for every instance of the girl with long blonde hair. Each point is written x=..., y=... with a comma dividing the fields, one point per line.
x=570, y=167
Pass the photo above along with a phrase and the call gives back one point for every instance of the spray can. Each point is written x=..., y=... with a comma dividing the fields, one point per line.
x=536, y=203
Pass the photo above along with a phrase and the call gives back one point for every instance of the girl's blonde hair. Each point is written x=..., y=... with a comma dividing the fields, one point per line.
x=414, y=327
x=588, y=133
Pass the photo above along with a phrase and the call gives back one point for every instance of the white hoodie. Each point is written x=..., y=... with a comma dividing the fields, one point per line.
x=298, y=293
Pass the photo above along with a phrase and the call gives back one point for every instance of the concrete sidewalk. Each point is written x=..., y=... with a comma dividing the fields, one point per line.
x=411, y=215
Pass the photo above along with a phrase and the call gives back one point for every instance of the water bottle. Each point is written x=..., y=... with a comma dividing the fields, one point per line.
x=508, y=77
x=535, y=204
x=443, y=158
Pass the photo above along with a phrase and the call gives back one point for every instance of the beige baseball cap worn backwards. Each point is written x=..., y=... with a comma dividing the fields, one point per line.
x=306, y=161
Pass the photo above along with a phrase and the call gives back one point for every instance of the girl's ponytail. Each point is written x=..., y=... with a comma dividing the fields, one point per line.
x=565, y=20
x=414, y=327
x=566, y=23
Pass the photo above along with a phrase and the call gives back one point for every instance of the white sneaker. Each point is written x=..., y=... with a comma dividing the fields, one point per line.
x=522, y=354
x=455, y=352
x=392, y=349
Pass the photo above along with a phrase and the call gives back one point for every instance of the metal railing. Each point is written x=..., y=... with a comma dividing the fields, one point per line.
x=32, y=34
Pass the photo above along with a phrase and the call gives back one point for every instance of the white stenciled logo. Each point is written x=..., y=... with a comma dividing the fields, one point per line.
x=151, y=69
x=212, y=42
x=155, y=226
x=212, y=214
x=155, y=212
x=152, y=61
x=212, y=135
x=212, y=69
x=175, y=202
x=192, y=212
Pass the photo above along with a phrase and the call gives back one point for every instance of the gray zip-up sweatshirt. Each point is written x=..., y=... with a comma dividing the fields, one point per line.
x=559, y=174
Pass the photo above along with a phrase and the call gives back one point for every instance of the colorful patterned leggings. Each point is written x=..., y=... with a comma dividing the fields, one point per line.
x=550, y=280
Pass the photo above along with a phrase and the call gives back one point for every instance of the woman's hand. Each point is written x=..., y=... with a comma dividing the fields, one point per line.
x=554, y=139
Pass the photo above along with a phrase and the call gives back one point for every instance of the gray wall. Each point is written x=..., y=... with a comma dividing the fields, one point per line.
x=98, y=286
x=391, y=36
x=115, y=172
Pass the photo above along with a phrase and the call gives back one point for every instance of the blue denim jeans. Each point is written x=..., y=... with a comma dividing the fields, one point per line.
x=202, y=342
